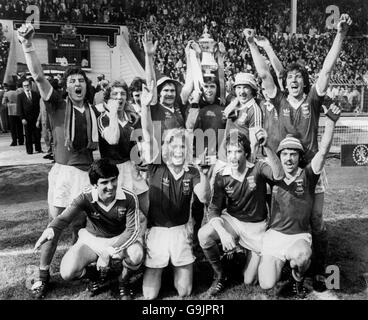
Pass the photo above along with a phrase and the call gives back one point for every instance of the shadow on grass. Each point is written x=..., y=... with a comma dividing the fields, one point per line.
x=348, y=239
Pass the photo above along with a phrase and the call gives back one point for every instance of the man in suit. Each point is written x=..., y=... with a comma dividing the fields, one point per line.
x=15, y=124
x=28, y=104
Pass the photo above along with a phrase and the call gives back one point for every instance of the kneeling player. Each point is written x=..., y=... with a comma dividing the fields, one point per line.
x=112, y=230
x=243, y=222
x=289, y=237
x=171, y=186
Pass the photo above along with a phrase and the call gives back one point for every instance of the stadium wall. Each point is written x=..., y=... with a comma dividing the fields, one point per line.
x=109, y=52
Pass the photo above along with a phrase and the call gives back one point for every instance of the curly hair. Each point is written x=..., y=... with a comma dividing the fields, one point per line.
x=115, y=84
x=236, y=137
x=297, y=67
x=136, y=85
x=72, y=71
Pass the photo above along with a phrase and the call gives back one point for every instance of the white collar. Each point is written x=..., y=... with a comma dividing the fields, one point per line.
x=294, y=102
x=247, y=105
x=80, y=109
x=172, y=110
x=290, y=179
x=177, y=176
x=120, y=195
x=229, y=172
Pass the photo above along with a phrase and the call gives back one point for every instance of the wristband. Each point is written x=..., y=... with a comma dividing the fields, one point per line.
x=334, y=117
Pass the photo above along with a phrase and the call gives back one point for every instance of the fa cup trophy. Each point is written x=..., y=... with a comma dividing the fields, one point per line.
x=208, y=47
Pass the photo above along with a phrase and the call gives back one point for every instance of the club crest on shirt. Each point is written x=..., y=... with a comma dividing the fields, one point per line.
x=210, y=114
x=269, y=106
x=121, y=212
x=251, y=183
x=305, y=110
x=166, y=182
x=286, y=112
x=299, y=187
x=186, y=187
x=242, y=118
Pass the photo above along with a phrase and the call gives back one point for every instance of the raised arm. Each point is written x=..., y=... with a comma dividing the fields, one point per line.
x=333, y=54
x=264, y=43
x=110, y=132
x=272, y=159
x=319, y=159
x=150, y=51
x=189, y=84
x=260, y=63
x=25, y=36
x=202, y=189
x=150, y=146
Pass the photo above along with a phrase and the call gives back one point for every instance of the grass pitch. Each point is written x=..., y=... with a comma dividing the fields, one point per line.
x=23, y=216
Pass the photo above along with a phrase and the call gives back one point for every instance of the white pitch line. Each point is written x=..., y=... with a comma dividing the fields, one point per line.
x=326, y=295
x=15, y=253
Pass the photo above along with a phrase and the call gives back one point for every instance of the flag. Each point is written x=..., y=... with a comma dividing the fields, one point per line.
x=11, y=66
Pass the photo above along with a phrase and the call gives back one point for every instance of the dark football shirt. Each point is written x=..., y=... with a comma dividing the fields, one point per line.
x=81, y=157
x=276, y=125
x=168, y=118
x=170, y=198
x=122, y=218
x=246, y=200
x=304, y=119
x=211, y=117
x=120, y=152
x=292, y=204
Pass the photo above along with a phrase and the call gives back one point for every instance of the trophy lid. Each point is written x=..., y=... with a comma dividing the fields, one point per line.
x=206, y=37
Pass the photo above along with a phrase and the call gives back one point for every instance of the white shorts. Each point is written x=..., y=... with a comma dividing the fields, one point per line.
x=322, y=183
x=130, y=178
x=277, y=244
x=169, y=244
x=250, y=233
x=65, y=184
x=99, y=245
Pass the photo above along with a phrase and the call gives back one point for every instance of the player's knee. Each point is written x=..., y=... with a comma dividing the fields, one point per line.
x=250, y=280
x=205, y=236
x=67, y=273
x=302, y=257
x=135, y=254
x=149, y=293
x=267, y=283
x=184, y=291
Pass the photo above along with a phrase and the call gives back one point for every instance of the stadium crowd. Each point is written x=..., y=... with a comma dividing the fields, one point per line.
x=112, y=201
x=176, y=22
x=137, y=206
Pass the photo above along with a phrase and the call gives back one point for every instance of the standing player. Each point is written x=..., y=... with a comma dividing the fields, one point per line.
x=243, y=112
x=116, y=124
x=135, y=90
x=172, y=183
x=303, y=105
x=243, y=185
x=289, y=235
x=76, y=136
x=112, y=229
x=208, y=130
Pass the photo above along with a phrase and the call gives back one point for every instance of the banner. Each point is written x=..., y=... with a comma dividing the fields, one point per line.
x=353, y=155
x=11, y=66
